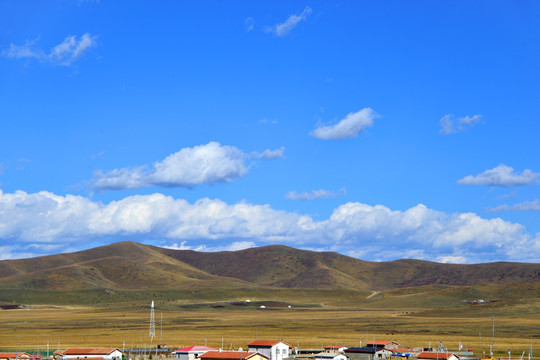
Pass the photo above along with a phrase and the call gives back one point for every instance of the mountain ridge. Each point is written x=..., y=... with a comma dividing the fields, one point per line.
x=132, y=266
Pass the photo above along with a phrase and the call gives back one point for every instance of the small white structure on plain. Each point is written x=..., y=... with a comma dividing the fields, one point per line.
x=289, y=307
x=248, y=301
x=262, y=307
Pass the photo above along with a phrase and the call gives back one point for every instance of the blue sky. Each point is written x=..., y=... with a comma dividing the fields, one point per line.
x=377, y=129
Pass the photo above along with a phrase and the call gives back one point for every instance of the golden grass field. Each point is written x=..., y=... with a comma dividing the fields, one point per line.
x=236, y=326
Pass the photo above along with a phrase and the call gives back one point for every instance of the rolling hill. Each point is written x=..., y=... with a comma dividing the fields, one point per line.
x=130, y=267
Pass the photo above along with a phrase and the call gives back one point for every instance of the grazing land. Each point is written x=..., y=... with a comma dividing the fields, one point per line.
x=98, y=298
x=234, y=324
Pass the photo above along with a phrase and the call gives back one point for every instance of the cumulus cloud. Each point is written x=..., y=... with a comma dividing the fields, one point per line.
x=64, y=53
x=289, y=24
x=203, y=164
x=524, y=206
x=349, y=127
x=451, y=125
x=314, y=194
x=501, y=175
x=49, y=219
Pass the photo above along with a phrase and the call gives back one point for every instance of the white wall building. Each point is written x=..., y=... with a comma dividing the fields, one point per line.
x=92, y=353
x=275, y=350
x=330, y=355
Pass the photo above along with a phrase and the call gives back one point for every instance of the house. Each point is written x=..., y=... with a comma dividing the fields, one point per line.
x=93, y=353
x=191, y=352
x=330, y=355
x=274, y=350
x=427, y=355
x=58, y=355
x=14, y=356
x=367, y=353
x=232, y=355
x=385, y=344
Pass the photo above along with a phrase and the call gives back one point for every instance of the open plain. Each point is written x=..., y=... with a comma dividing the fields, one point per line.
x=234, y=324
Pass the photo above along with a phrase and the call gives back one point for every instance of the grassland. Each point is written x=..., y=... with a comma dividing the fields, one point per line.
x=309, y=322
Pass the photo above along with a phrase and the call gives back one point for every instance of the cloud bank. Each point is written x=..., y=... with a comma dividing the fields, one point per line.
x=289, y=24
x=64, y=53
x=203, y=164
x=349, y=127
x=451, y=125
x=30, y=221
x=501, y=175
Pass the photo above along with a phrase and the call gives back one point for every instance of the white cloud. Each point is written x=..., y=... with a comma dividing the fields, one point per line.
x=203, y=164
x=267, y=121
x=289, y=24
x=249, y=23
x=64, y=53
x=349, y=127
x=314, y=194
x=451, y=125
x=501, y=175
x=49, y=219
x=269, y=154
x=183, y=246
x=524, y=206
x=27, y=50
x=71, y=49
x=240, y=245
x=451, y=259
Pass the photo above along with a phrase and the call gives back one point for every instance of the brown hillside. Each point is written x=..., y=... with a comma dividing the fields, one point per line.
x=132, y=266
x=124, y=265
x=281, y=266
x=291, y=268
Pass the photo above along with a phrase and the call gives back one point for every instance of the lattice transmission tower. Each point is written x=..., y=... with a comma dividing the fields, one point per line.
x=152, y=332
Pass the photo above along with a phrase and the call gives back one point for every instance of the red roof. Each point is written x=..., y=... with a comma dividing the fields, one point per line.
x=13, y=355
x=434, y=355
x=196, y=348
x=379, y=342
x=86, y=352
x=229, y=355
x=265, y=343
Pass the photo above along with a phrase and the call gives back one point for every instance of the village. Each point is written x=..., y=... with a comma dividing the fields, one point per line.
x=262, y=350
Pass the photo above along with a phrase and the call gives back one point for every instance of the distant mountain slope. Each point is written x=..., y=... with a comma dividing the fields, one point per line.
x=131, y=266
x=124, y=265
x=282, y=266
x=407, y=273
